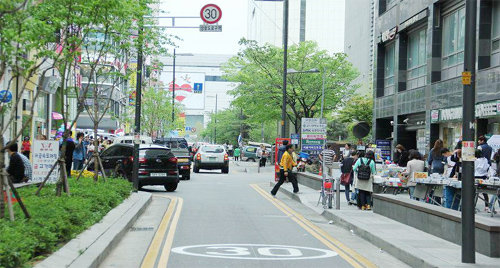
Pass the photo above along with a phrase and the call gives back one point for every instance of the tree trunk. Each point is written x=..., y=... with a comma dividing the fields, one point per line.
x=2, y=165
x=96, y=144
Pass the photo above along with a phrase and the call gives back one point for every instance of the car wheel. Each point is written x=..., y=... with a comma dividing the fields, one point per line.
x=253, y=159
x=188, y=177
x=171, y=187
x=196, y=169
x=225, y=170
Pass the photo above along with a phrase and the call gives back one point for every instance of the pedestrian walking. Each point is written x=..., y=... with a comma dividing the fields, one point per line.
x=403, y=155
x=363, y=180
x=230, y=150
x=347, y=176
x=485, y=149
x=328, y=157
x=347, y=151
x=416, y=164
x=237, y=154
x=68, y=155
x=262, y=154
x=281, y=151
x=26, y=147
x=436, y=159
x=79, y=152
x=287, y=165
x=19, y=166
x=481, y=168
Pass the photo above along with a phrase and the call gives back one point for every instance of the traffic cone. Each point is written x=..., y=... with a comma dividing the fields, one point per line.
x=320, y=170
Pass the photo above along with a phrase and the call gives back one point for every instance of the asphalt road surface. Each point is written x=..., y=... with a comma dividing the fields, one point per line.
x=231, y=220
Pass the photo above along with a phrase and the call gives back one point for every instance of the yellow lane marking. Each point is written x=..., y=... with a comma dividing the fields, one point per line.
x=154, y=248
x=346, y=253
x=170, y=237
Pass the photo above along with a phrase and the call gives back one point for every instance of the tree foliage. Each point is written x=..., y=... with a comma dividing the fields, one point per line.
x=358, y=108
x=157, y=111
x=258, y=70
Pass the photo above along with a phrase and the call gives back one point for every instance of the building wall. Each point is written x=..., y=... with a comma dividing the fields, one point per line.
x=324, y=22
x=359, y=40
x=210, y=66
x=430, y=100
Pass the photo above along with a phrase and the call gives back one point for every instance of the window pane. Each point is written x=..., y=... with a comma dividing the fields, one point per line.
x=496, y=20
x=389, y=61
x=422, y=48
x=461, y=29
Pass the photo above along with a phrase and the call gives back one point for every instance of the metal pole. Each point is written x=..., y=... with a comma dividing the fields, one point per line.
x=173, y=90
x=285, y=66
x=215, y=138
x=468, y=132
x=138, y=94
x=323, y=94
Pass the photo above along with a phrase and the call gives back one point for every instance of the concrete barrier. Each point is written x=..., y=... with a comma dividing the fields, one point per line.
x=438, y=221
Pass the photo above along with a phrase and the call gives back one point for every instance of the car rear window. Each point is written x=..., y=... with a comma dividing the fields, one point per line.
x=154, y=153
x=212, y=149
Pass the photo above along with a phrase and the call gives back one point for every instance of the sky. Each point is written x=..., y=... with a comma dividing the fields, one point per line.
x=233, y=21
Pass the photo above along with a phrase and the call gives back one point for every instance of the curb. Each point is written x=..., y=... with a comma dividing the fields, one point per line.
x=403, y=255
x=92, y=246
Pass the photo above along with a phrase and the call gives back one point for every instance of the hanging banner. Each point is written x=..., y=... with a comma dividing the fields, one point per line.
x=45, y=155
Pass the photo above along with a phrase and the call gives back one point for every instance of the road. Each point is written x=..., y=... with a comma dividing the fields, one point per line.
x=231, y=220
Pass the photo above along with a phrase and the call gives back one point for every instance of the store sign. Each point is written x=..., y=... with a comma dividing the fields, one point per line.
x=485, y=109
x=313, y=135
x=389, y=34
x=407, y=23
x=434, y=116
x=384, y=147
x=468, y=151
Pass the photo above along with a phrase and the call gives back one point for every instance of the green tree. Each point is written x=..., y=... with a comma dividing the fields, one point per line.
x=358, y=108
x=259, y=73
x=157, y=111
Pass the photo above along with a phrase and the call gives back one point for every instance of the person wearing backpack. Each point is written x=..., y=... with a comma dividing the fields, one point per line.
x=363, y=180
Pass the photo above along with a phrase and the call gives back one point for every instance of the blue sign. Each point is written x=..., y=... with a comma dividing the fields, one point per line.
x=198, y=88
x=385, y=148
x=188, y=128
x=5, y=96
x=312, y=147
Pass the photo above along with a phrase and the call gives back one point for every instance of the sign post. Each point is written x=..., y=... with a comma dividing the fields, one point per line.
x=45, y=154
x=210, y=14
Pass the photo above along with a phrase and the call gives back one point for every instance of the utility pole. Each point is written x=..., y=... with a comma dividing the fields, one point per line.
x=323, y=93
x=215, y=128
x=138, y=94
x=173, y=90
x=468, y=134
x=285, y=66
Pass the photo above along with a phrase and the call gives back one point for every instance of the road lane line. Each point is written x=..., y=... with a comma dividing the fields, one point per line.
x=154, y=248
x=346, y=253
x=165, y=254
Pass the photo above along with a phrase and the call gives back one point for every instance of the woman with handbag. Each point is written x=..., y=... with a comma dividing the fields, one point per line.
x=347, y=176
x=364, y=170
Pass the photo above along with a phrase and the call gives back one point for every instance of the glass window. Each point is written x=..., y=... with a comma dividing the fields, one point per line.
x=389, y=70
x=212, y=149
x=453, y=38
x=417, y=60
x=495, y=27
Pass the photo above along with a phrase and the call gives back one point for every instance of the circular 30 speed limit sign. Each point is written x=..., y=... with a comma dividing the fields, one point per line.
x=211, y=13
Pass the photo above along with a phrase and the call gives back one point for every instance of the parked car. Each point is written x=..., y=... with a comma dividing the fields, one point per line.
x=130, y=140
x=211, y=157
x=249, y=153
x=179, y=147
x=157, y=164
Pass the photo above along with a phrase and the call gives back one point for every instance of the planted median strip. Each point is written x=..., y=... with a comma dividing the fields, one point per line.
x=56, y=220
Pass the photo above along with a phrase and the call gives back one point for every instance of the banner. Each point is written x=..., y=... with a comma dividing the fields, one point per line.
x=188, y=88
x=45, y=155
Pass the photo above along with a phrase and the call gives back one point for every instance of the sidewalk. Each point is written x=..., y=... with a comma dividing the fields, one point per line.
x=414, y=247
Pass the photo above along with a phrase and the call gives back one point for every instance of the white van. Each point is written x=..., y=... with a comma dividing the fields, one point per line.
x=130, y=139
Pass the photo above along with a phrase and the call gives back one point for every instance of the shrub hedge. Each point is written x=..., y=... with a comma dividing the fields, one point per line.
x=56, y=220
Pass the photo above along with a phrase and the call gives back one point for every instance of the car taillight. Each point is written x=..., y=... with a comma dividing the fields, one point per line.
x=198, y=157
x=226, y=157
x=142, y=160
x=172, y=172
x=173, y=160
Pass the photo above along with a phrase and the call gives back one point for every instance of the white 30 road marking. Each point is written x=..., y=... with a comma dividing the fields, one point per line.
x=255, y=252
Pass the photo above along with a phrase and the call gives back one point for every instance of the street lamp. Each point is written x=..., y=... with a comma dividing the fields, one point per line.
x=292, y=71
x=215, y=118
x=173, y=81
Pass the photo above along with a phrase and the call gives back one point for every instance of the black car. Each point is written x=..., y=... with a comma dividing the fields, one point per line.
x=180, y=149
x=157, y=164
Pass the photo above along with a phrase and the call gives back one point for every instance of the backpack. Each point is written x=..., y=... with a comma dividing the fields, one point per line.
x=364, y=170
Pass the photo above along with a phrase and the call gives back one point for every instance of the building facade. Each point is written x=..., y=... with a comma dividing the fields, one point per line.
x=359, y=40
x=419, y=56
x=200, y=88
x=317, y=20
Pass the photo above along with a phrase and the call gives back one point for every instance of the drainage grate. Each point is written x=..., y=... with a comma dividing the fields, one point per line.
x=141, y=229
